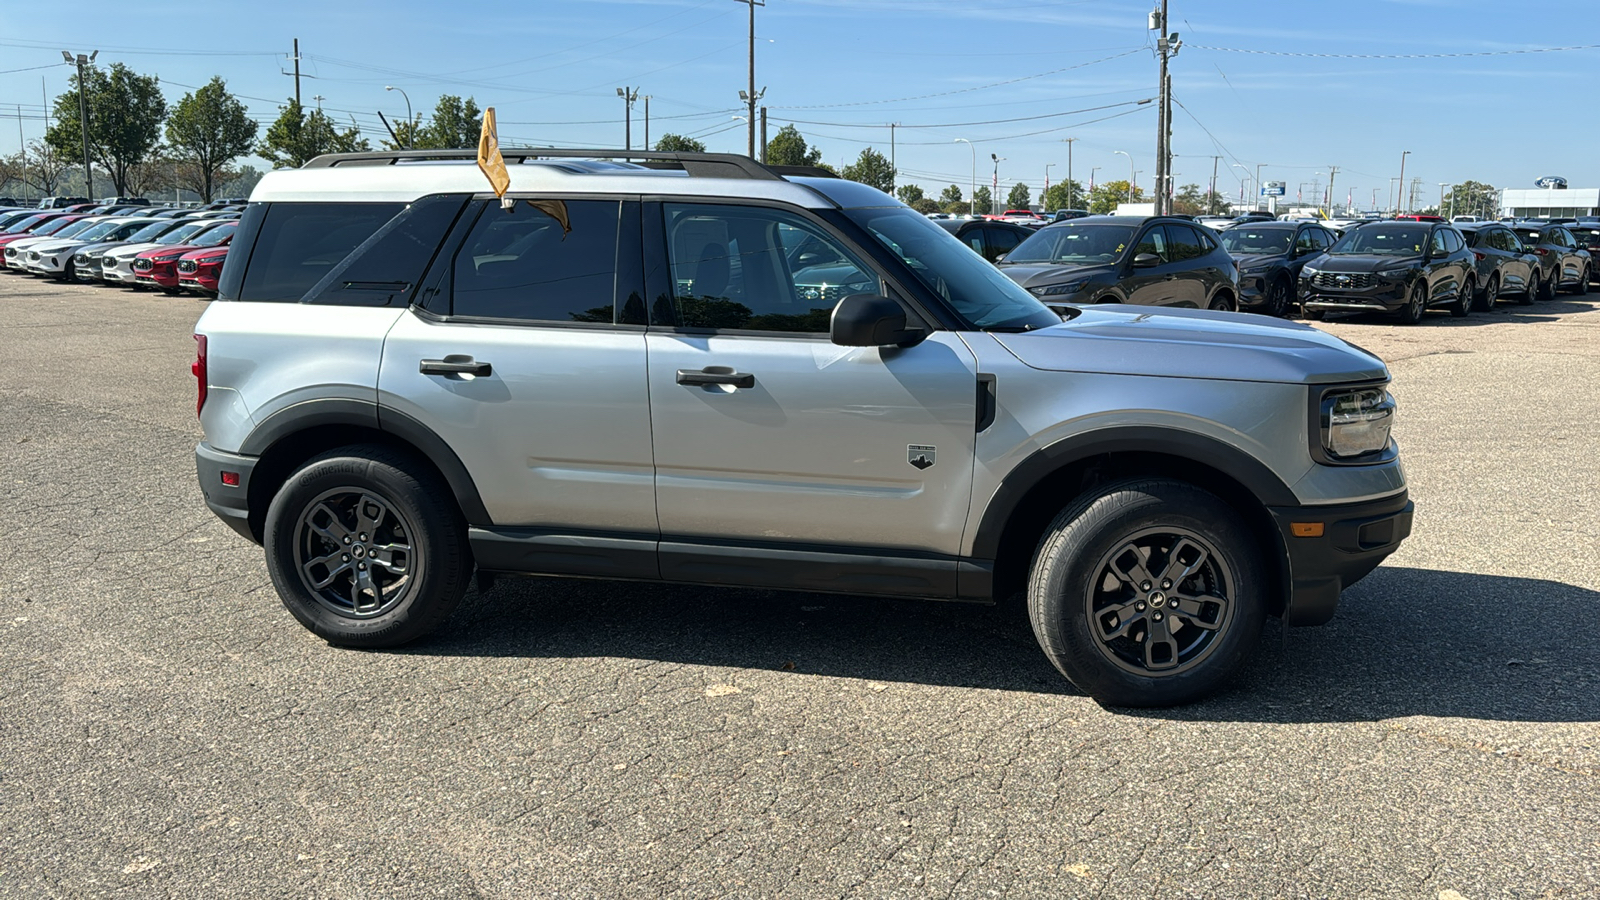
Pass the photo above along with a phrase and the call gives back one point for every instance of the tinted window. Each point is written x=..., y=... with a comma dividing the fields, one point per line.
x=750, y=268
x=1003, y=240
x=1452, y=240
x=1183, y=244
x=1383, y=241
x=300, y=242
x=544, y=260
x=1153, y=241
x=1438, y=245
x=385, y=268
x=1074, y=244
x=1243, y=240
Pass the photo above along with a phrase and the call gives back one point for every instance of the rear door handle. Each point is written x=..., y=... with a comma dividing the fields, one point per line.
x=454, y=364
x=716, y=375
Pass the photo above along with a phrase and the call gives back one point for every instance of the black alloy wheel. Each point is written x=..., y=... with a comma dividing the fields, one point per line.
x=1551, y=285
x=1530, y=291
x=1491, y=293
x=1147, y=592
x=1278, y=294
x=1416, y=302
x=1221, y=303
x=1463, y=303
x=1582, y=287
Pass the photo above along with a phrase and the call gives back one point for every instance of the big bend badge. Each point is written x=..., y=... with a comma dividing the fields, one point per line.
x=920, y=455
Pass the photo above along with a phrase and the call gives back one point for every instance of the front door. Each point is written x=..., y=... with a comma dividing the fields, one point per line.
x=769, y=436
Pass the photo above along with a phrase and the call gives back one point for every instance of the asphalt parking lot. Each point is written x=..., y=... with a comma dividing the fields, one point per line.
x=169, y=730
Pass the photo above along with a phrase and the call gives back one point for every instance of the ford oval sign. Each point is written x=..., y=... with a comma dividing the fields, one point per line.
x=1552, y=182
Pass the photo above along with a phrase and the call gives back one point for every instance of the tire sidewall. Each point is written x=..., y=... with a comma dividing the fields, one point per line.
x=1066, y=567
x=437, y=545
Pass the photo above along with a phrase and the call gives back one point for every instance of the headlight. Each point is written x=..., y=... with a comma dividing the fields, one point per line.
x=1309, y=272
x=1054, y=290
x=1356, y=422
x=1394, y=273
x=166, y=258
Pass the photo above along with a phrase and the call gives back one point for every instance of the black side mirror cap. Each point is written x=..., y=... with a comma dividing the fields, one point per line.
x=1146, y=260
x=868, y=320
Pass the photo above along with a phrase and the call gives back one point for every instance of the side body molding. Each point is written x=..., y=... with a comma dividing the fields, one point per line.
x=1207, y=451
x=334, y=412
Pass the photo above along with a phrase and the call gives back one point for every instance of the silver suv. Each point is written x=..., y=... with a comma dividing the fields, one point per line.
x=695, y=368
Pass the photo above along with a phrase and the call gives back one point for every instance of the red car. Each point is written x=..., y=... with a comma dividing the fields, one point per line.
x=160, y=266
x=42, y=225
x=198, y=271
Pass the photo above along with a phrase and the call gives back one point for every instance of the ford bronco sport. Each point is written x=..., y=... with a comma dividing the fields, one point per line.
x=695, y=368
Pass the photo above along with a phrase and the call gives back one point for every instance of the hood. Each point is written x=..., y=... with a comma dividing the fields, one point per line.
x=207, y=253
x=1031, y=275
x=99, y=248
x=1192, y=343
x=55, y=246
x=1258, y=259
x=126, y=251
x=164, y=249
x=1356, y=264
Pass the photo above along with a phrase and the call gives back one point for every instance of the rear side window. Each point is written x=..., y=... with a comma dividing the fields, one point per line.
x=1183, y=243
x=299, y=243
x=544, y=260
x=385, y=269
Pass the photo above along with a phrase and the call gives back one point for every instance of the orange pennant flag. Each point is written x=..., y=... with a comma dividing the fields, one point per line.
x=489, y=158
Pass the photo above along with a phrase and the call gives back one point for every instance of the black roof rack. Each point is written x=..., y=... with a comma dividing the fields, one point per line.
x=699, y=165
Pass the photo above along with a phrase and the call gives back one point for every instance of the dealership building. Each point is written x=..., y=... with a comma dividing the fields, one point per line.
x=1545, y=203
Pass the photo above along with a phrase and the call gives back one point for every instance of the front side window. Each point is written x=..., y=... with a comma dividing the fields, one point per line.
x=1153, y=241
x=1440, y=247
x=752, y=268
x=542, y=260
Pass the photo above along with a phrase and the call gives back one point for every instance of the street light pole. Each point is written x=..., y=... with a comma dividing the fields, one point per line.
x=751, y=96
x=1403, y=203
x=83, y=114
x=628, y=95
x=1068, y=142
x=1046, y=185
x=994, y=188
x=1442, y=186
x=411, y=124
x=972, y=197
x=1130, y=172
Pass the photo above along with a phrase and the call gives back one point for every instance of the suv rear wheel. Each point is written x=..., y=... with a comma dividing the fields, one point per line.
x=367, y=548
x=1147, y=593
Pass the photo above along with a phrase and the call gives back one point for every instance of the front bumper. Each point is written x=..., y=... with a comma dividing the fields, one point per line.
x=231, y=502
x=1354, y=538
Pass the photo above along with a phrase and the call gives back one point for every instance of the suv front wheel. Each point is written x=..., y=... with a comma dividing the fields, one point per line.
x=367, y=548
x=1147, y=593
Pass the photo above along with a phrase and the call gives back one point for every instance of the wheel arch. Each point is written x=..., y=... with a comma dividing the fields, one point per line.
x=294, y=434
x=1036, y=490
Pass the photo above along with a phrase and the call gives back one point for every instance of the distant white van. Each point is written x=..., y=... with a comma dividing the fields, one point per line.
x=1465, y=219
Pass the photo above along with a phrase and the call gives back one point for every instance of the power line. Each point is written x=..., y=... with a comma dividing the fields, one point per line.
x=1070, y=112
x=1396, y=55
x=980, y=87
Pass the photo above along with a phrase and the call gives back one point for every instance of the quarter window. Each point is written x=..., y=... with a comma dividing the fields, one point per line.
x=542, y=260
x=300, y=242
x=756, y=269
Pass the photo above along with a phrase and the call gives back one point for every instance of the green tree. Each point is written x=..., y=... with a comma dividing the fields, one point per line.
x=456, y=124
x=208, y=130
x=1188, y=201
x=909, y=194
x=1106, y=196
x=297, y=137
x=871, y=168
x=677, y=143
x=788, y=148
x=951, y=194
x=957, y=208
x=125, y=114
x=1058, y=197
x=925, y=205
x=982, y=203
x=1019, y=196
x=1472, y=198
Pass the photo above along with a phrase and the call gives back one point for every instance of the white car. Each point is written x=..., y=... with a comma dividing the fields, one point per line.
x=53, y=255
x=116, y=266
x=17, y=250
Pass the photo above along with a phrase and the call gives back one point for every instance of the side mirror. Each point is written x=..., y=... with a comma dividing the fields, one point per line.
x=1146, y=260
x=1001, y=258
x=867, y=320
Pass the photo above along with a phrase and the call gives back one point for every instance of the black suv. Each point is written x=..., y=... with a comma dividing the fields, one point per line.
x=1155, y=261
x=989, y=238
x=1563, y=263
x=1270, y=256
x=1504, y=265
x=1588, y=237
x=1395, y=267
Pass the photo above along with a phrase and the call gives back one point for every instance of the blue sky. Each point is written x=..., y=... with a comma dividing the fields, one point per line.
x=944, y=69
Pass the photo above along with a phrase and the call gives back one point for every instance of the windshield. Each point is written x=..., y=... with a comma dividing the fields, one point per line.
x=23, y=225
x=974, y=289
x=78, y=227
x=1074, y=243
x=6, y=219
x=149, y=232
x=53, y=227
x=1375, y=241
x=216, y=235
x=1243, y=240
x=96, y=231
x=181, y=233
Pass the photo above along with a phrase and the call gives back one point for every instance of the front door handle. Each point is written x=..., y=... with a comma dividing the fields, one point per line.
x=454, y=364
x=716, y=375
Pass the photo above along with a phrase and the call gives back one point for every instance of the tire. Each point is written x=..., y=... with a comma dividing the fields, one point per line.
x=345, y=499
x=1221, y=303
x=1279, y=294
x=1491, y=293
x=1531, y=291
x=1103, y=618
x=1582, y=287
x=1463, y=304
x=1416, y=302
x=1551, y=286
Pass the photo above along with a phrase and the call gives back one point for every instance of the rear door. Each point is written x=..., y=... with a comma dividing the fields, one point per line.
x=525, y=352
x=770, y=437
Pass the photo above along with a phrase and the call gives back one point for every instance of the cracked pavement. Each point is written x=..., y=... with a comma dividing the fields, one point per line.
x=170, y=731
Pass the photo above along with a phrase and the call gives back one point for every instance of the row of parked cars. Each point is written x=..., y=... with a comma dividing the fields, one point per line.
x=131, y=243
x=1402, y=267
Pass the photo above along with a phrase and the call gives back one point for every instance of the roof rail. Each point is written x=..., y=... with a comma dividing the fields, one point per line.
x=699, y=165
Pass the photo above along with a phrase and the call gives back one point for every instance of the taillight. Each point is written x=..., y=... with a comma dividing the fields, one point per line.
x=1541, y=251
x=199, y=370
x=1478, y=256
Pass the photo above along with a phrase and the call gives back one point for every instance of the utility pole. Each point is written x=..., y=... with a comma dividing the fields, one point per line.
x=22, y=152
x=83, y=115
x=1166, y=47
x=1068, y=142
x=894, y=173
x=763, y=135
x=1401, y=199
x=1332, y=171
x=750, y=97
x=1211, y=196
x=1046, y=185
x=296, y=71
x=647, y=121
